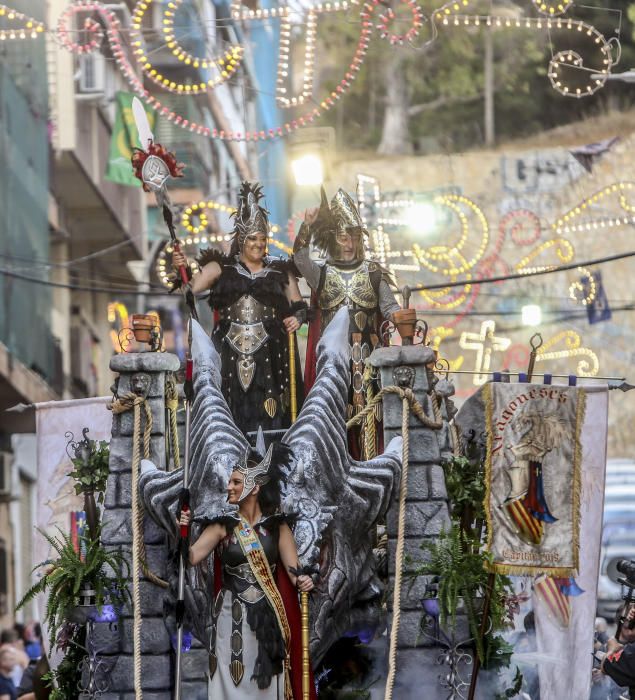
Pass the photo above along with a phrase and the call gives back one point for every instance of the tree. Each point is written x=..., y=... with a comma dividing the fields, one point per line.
x=432, y=99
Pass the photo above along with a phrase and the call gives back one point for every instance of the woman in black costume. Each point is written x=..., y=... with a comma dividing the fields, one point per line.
x=256, y=304
x=255, y=638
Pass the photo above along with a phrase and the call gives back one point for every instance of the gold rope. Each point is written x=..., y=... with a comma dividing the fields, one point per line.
x=120, y=405
x=369, y=430
x=407, y=394
x=401, y=538
x=172, y=404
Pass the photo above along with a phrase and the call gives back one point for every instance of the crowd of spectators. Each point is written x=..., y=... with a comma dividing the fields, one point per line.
x=20, y=651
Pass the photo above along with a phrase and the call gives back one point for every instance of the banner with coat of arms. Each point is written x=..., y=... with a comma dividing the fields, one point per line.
x=532, y=473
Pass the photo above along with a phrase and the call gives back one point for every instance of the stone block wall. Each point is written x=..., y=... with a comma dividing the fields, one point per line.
x=157, y=667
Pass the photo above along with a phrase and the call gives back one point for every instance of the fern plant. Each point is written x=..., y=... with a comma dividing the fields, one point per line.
x=462, y=574
x=88, y=566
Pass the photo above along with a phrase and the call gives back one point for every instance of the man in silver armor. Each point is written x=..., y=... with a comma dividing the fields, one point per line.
x=345, y=278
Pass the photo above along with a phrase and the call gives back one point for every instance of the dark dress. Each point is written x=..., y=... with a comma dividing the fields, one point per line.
x=246, y=646
x=250, y=338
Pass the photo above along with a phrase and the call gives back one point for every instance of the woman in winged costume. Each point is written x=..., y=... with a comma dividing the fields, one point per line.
x=256, y=303
x=250, y=630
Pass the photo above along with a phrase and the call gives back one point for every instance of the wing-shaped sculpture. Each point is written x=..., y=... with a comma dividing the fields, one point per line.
x=216, y=446
x=338, y=500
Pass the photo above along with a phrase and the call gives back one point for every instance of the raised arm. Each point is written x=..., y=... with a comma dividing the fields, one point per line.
x=203, y=280
x=309, y=269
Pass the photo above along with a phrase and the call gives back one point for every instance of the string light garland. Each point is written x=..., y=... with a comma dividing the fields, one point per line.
x=561, y=246
x=370, y=20
x=563, y=224
x=456, y=264
x=226, y=65
x=550, y=9
x=196, y=213
x=577, y=290
x=589, y=366
x=386, y=19
x=92, y=29
x=485, y=343
x=27, y=27
x=561, y=62
x=523, y=226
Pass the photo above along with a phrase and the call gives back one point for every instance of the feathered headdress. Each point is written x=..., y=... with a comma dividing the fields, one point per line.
x=249, y=216
x=341, y=214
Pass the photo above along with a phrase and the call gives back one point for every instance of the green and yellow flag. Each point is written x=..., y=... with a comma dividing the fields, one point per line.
x=124, y=138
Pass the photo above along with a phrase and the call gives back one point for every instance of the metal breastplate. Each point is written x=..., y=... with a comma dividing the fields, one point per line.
x=246, y=334
x=352, y=288
x=241, y=581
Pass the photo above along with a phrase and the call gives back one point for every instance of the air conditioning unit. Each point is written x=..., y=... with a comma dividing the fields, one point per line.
x=92, y=73
x=6, y=460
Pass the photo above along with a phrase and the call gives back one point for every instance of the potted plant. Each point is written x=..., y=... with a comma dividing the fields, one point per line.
x=67, y=580
x=90, y=461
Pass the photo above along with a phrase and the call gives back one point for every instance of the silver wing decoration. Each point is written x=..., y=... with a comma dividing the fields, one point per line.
x=217, y=445
x=338, y=500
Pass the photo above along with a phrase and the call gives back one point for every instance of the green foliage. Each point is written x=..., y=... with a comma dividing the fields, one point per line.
x=99, y=569
x=513, y=691
x=445, y=80
x=466, y=490
x=462, y=575
x=66, y=675
x=92, y=477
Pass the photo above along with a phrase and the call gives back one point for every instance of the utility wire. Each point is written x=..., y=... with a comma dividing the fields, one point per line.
x=523, y=275
x=489, y=280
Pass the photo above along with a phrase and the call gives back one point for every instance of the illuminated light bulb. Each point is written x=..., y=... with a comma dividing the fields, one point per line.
x=531, y=315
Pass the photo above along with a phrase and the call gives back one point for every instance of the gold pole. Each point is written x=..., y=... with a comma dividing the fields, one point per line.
x=306, y=675
x=293, y=399
x=304, y=596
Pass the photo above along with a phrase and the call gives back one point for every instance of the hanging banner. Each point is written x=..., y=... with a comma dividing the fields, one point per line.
x=124, y=138
x=532, y=473
x=56, y=499
x=568, y=645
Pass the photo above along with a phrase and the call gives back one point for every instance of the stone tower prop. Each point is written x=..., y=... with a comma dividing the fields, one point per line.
x=156, y=650
x=426, y=505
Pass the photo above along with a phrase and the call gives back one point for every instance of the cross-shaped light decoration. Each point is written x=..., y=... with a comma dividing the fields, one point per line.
x=485, y=343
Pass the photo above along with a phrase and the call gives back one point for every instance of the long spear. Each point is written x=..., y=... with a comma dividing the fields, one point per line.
x=153, y=165
x=184, y=534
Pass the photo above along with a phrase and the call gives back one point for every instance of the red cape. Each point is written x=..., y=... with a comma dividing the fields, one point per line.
x=311, y=345
x=292, y=608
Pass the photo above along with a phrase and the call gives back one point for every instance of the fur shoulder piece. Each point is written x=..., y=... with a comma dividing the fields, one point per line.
x=285, y=265
x=209, y=255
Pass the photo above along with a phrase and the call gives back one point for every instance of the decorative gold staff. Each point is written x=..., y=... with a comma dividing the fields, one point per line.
x=304, y=596
x=293, y=399
x=306, y=676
